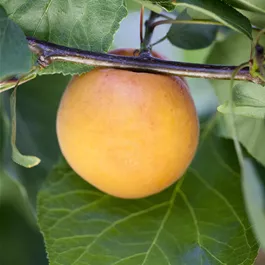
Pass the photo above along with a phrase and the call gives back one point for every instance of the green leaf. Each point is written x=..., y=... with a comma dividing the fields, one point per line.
x=249, y=101
x=190, y=36
x=218, y=10
x=251, y=132
x=15, y=55
x=86, y=24
x=254, y=192
x=250, y=5
x=199, y=220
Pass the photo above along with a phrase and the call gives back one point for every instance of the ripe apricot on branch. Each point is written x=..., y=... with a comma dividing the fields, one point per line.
x=130, y=134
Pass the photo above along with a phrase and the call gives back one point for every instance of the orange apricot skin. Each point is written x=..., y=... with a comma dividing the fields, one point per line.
x=129, y=134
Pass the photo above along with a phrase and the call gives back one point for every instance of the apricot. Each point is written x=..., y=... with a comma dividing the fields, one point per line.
x=130, y=134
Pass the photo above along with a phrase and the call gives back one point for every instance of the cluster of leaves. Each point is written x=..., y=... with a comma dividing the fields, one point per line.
x=200, y=220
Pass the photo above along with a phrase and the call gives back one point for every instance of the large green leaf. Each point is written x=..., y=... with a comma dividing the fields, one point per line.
x=251, y=132
x=218, y=10
x=84, y=24
x=248, y=100
x=198, y=220
x=15, y=56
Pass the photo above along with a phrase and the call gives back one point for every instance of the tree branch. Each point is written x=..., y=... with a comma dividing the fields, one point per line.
x=49, y=52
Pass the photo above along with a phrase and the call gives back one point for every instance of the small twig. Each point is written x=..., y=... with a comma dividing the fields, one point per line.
x=159, y=41
x=49, y=52
x=256, y=61
x=193, y=22
x=141, y=24
x=256, y=41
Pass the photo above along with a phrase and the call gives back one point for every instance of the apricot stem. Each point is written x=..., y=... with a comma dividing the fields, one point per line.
x=149, y=30
x=49, y=52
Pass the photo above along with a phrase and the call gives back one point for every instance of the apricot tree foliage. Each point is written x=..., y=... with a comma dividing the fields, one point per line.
x=215, y=213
